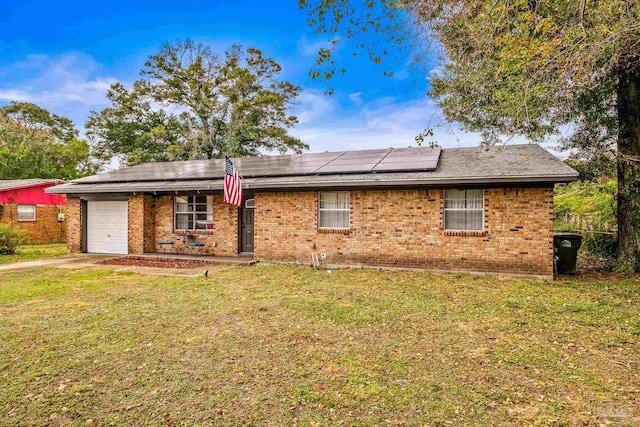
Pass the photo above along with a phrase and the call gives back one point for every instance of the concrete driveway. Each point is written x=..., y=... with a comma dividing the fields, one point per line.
x=76, y=261
x=66, y=261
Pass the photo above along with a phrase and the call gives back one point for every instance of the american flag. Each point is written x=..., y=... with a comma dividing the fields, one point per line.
x=232, y=184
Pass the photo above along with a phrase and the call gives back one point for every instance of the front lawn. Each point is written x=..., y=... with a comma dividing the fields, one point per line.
x=34, y=252
x=287, y=345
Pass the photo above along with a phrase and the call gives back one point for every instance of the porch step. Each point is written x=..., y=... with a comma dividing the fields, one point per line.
x=243, y=260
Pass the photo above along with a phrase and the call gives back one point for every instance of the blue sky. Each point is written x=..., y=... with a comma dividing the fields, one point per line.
x=64, y=55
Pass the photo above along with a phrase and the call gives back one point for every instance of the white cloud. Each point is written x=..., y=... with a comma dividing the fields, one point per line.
x=309, y=48
x=312, y=106
x=380, y=124
x=68, y=84
x=356, y=98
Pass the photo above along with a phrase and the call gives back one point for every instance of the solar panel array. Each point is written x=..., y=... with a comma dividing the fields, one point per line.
x=343, y=162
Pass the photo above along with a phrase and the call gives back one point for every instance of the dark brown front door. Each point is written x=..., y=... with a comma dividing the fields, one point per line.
x=246, y=227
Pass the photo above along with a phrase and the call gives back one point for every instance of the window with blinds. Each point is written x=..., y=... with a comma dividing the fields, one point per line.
x=464, y=210
x=26, y=212
x=333, y=210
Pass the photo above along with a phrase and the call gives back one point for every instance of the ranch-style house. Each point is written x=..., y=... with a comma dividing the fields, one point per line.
x=474, y=209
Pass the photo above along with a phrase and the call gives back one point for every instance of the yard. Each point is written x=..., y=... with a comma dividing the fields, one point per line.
x=34, y=252
x=286, y=345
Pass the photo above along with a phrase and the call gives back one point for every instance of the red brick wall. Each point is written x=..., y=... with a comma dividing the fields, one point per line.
x=404, y=228
x=74, y=225
x=141, y=223
x=222, y=240
x=45, y=229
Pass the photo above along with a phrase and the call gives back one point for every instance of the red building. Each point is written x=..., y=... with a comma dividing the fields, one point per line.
x=24, y=204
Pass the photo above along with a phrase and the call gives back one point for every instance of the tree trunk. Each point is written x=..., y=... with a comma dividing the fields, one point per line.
x=628, y=164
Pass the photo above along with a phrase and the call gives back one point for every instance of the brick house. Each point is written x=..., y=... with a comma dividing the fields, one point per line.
x=24, y=204
x=465, y=209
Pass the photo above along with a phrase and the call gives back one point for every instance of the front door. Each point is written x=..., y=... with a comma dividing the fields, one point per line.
x=246, y=226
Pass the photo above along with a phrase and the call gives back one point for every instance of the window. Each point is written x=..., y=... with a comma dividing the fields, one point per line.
x=26, y=212
x=333, y=210
x=464, y=210
x=193, y=213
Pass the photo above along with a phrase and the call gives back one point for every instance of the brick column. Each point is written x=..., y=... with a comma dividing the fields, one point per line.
x=141, y=225
x=74, y=225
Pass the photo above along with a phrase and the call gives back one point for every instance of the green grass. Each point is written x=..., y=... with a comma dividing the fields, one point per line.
x=285, y=345
x=34, y=252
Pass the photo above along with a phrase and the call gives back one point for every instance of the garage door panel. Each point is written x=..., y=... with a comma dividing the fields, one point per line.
x=107, y=223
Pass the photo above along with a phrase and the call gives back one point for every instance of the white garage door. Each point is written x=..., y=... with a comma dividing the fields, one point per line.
x=107, y=227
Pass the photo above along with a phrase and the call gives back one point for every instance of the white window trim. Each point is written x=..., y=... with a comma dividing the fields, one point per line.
x=193, y=213
x=445, y=209
x=35, y=215
x=348, y=227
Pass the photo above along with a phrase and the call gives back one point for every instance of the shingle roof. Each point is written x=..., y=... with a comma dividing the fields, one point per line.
x=20, y=183
x=512, y=164
x=342, y=162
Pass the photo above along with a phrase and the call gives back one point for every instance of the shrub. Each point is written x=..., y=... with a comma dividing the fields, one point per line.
x=10, y=239
x=602, y=245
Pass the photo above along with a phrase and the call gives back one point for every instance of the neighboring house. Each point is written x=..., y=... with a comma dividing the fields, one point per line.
x=24, y=204
x=466, y=209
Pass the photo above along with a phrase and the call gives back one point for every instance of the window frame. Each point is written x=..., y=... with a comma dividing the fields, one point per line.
x=348, y=227
x=445, y=209
x=35, y=215
x=193, y=212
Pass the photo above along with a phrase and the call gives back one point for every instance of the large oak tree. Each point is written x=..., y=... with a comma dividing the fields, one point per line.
x=194, y=104
x=535, y=68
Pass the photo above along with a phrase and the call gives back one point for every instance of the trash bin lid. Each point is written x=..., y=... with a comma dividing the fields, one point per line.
x=564, y=235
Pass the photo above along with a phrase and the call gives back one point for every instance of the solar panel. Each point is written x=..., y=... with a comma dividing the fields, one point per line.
x=342, y=162
x=408, y=159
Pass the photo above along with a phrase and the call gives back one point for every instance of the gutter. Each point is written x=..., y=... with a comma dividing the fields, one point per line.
x=217, y=185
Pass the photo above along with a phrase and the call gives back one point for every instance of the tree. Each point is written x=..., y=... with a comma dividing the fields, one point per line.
x=32, y=117
x=233, y=105
x=536, y=68
x=37, y=144
x=133, y=130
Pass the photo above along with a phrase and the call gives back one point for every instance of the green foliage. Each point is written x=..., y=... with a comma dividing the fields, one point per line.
x=31, y=116
x=132, y=129
x=28, y=150
x=586, y=205
x=589, y=207
x=194, y=104
x=593, y=168
x=10, y=239
x=601, y=246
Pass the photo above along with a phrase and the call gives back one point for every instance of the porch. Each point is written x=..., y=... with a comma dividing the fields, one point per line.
x=239, y=260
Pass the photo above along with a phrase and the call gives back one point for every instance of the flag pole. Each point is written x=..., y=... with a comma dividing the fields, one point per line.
x=239, y=174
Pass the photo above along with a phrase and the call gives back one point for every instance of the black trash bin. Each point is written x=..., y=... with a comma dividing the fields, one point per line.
x=565, y=247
